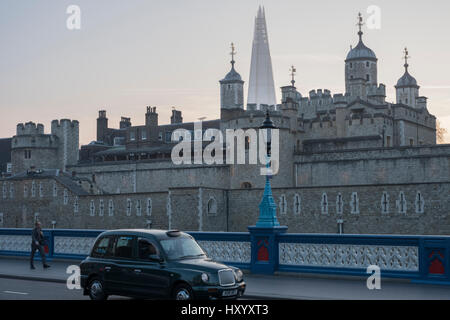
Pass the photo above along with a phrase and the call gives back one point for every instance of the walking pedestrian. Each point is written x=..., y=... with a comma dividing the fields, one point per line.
x=37, y=243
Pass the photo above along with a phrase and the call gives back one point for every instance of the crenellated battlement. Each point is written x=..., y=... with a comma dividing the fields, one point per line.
x=29, y=128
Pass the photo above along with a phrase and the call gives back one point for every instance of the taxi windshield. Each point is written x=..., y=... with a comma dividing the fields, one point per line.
x=182, y=248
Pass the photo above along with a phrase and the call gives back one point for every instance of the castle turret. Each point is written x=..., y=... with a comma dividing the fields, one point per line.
x=176, y=117
x=67, y=132
x=360, y=67
x=407, y=90
x=232, y=88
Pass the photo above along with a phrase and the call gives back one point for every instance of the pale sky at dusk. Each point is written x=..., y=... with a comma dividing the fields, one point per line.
x=134, y=53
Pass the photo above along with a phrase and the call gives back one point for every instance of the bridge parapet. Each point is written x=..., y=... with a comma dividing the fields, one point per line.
x=424, y=259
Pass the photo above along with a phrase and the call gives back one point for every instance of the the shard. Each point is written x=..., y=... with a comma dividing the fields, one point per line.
x=261, y=89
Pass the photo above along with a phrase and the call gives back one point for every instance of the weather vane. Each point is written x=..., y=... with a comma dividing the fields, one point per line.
x=360, y=24
x=406, y=57
x=233, y=53
x=293, y=71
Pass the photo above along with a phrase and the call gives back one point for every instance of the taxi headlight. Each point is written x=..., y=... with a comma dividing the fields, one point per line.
x=238, y=275
x=205, y=277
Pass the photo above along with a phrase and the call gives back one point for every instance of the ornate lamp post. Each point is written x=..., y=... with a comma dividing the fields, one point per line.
x=267, y=207
x=263, y=235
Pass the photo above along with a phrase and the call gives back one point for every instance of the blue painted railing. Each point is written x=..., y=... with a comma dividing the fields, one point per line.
x=423, y=259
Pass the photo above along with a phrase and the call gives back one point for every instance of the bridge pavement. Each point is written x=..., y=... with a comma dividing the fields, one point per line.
x=280, y=286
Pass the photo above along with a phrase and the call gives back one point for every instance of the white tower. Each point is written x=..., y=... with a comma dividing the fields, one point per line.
x=261, y=89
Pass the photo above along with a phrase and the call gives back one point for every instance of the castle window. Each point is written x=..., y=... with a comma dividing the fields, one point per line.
x=283, y=204
x=297, y=204
x=66, y=197
x=27, y=154
x=9, y=167
x=351, y=77
x=411, y=142
x=354, y=204
x=168, y=136
x=419, y=203
x=367, y=64
x=101, y=210
x=144, y=135
x=339, y=204
x=324, y=203
x=132, y=136
x=41, y=190
x=351, y=65
x=368, y=77
x=110, y=208
x=388, y=141
x=385, y=203
x=212, y=206
x=4, y=190
x=149, y=207
x=138, y=208
x=246, y=185
x=128, y=207
x=75, y=205
x=33, y=189
x=92, y=208
x=160, y=136
x=55, y=189
x=11, y=190
x=25, y=191
x=401, y=203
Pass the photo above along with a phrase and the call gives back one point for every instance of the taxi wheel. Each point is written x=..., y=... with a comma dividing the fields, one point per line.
x=183, y=292
x=97, y=289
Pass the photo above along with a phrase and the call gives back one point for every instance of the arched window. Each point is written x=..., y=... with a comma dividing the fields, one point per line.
x=339, y=204
x=92, y=208
x=111, y=208
x=420, y=203
x=401, y=203
x=324, y=203
x=149, y=207
x=385, y=203
x=246, y=185
x=354, y=204
x=297, y=204
x=283, y=204
x=212, y=206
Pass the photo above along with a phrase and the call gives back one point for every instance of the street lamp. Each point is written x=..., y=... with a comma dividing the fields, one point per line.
x=269, y=126
x=267, y=207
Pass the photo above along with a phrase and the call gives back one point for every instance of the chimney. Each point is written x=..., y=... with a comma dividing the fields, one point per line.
x=176, y=117
x=151, y=117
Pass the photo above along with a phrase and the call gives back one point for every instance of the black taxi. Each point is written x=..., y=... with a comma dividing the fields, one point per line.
x=156, y=264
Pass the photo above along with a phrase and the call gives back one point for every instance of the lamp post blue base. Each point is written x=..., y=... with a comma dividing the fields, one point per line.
x=264, y=247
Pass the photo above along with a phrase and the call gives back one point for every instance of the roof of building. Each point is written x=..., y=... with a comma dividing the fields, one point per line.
x=62, y=177
x=361, y=51
x=407, y=80
x=232, y=76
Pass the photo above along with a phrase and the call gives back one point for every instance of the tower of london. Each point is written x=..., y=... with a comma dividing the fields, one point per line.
x=349, y=161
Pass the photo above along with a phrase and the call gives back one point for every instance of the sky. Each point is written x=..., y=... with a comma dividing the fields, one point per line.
x=171, y=53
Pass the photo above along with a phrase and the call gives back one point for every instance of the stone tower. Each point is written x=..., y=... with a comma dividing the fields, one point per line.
x=67, y=133
x=360, y=68
x=261, y=89
x=102, y=126
x=232, y=88
x=32, y=148
x=407, y=90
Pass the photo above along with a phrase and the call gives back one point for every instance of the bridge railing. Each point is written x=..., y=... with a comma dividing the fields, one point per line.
x=418, y=258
